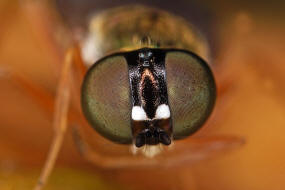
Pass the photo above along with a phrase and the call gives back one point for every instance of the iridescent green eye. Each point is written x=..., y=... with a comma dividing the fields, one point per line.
x=105, y=98
x=148, y=96
x=191, y=91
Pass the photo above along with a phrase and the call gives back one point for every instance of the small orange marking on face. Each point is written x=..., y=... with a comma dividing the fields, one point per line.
x=148, y=73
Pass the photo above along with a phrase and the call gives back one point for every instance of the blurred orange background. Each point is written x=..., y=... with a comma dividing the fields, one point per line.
x=250, y=60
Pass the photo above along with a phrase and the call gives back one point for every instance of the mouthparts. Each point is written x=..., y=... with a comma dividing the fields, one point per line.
x=152, y=136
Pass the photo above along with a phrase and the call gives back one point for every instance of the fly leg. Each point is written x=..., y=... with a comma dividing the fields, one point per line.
x=60, y=120
x=56, y=108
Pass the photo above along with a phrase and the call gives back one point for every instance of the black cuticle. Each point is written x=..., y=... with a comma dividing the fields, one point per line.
x=164, y=138
x=140, y=140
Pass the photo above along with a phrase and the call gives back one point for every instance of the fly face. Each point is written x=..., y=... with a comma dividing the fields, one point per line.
x=150, y=115
x=149, y=96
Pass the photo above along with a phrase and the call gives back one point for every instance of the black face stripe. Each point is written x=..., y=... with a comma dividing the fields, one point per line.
x=147, y=76
x=140, y=62
x=150, y=95
x=134, y=78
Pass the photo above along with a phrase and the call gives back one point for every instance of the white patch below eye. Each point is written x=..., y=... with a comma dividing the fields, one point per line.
x=138, y=114
x=162, y=112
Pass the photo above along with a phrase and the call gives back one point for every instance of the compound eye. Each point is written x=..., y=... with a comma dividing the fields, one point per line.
x=191, y=91
x=105, y=98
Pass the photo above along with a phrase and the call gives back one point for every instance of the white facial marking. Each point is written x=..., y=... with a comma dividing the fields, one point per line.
x=162, y=112
x=151, y=151
x=138, y=114
x=148, y=151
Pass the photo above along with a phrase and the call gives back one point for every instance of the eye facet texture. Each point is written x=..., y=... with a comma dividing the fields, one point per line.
x=105, y=98
x=191, y=91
